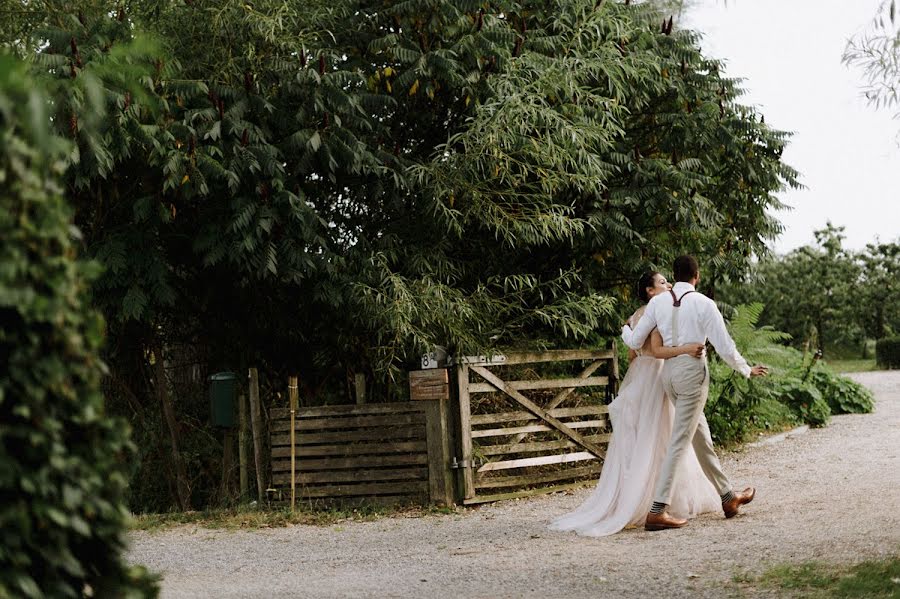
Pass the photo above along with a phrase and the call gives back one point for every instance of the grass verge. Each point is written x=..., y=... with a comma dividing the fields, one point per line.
x=875, y=579
x=252, y=517
x=857, y=365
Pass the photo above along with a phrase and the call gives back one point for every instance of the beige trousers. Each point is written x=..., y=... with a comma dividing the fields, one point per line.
x=686, y=381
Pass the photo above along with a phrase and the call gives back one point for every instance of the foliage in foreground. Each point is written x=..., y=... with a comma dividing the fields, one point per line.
x=62, y=479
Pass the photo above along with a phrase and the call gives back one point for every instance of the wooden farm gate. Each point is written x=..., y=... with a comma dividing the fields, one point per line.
x=537, y=433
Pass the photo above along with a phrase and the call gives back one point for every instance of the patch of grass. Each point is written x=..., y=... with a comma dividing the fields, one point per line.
x=853, y=365
x=875, y=579
x=252, y=517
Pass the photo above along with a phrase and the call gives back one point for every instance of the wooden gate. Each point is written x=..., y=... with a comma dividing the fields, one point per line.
x=555, y=437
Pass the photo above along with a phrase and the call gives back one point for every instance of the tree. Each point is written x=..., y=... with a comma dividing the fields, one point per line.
x=335, y=187
x=812, y=293
x=877, y=53
x=62, y=458
x=879, y=286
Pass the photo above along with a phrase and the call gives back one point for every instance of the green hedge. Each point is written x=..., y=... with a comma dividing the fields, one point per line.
x=887, y=352
x=62, y=478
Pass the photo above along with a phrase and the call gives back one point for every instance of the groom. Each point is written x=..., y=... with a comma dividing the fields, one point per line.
x=685, y=316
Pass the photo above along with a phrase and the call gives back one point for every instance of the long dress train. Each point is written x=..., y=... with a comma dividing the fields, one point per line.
x=642, y=418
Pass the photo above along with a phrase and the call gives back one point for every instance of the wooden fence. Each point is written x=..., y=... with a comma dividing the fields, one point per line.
x=485, y=442
x=376, y=453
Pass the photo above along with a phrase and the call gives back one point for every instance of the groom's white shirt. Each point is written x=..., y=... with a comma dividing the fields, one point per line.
x=698, y=321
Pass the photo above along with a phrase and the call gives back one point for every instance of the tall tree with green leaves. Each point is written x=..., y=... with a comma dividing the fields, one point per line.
x=333, y=188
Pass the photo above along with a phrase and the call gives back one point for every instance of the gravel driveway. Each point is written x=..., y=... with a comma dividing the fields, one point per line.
x=829, y=494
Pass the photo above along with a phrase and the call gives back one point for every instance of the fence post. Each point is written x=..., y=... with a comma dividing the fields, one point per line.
x=359, y=384
x=256, y=426
x=293, y=393
x=242, y=443
x=465, y=432
x=433, y=387
x=614, y=370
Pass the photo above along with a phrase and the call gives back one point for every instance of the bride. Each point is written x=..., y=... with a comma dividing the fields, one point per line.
x=641, y=417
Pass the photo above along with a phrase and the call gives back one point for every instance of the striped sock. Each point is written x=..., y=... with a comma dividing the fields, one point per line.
x=727, y=497
x=657, y=507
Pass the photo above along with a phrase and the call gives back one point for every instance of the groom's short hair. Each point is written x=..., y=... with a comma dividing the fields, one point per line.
x=685, y=268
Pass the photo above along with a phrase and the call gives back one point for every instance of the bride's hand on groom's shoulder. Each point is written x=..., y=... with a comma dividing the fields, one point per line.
x=695, y=349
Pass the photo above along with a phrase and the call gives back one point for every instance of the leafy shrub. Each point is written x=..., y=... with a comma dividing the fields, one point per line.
x=735, y=405
x=61, y=459
x=887, y=352
x=843, y=395
x=795, y=391
x=805, y=400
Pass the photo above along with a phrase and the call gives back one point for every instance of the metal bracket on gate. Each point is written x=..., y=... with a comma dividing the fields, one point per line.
x=459, y=463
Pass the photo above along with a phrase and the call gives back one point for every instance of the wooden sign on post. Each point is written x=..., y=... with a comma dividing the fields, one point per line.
x=429, y=384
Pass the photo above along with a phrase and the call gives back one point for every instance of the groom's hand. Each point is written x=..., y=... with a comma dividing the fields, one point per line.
x=759, y=370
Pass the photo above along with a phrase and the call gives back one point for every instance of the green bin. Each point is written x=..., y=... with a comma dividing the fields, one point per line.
x=222, y=387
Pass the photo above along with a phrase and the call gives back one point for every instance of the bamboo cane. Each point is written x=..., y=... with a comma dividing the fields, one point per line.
x=292, y=393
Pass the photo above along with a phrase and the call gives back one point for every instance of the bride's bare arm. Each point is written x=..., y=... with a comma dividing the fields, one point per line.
x=662, y=352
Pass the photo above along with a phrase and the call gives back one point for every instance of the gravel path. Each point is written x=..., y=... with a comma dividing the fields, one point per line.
x=829, y=494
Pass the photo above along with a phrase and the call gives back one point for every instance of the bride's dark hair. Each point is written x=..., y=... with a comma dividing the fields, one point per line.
x=645, y=281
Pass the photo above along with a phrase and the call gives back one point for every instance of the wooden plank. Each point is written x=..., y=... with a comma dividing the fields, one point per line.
x=537, y=446
x=397, y=407
x=503, y=482
x=350, y=422
x=440, y=475
x=590, y=410
x=465, y=431
x=429, y=384
x=559, y=355
x=411, y=459
x=537, y=410
x=563, y=458
x=525, y=493
x=419, y=473
x=535, y=428
x=366, y=489
x=362, y=434
x=349, y=449
x=570, y=383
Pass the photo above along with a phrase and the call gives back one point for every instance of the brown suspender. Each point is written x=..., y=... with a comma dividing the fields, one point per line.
x=676, y=301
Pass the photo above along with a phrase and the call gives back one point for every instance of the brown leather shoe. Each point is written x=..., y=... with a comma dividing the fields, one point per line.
x=733, y=506
x=663, y=521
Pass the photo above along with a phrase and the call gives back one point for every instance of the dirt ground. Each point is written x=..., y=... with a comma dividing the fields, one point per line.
x=829, y=494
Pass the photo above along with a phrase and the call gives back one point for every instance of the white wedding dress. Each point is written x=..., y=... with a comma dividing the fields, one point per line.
x=641, y=418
